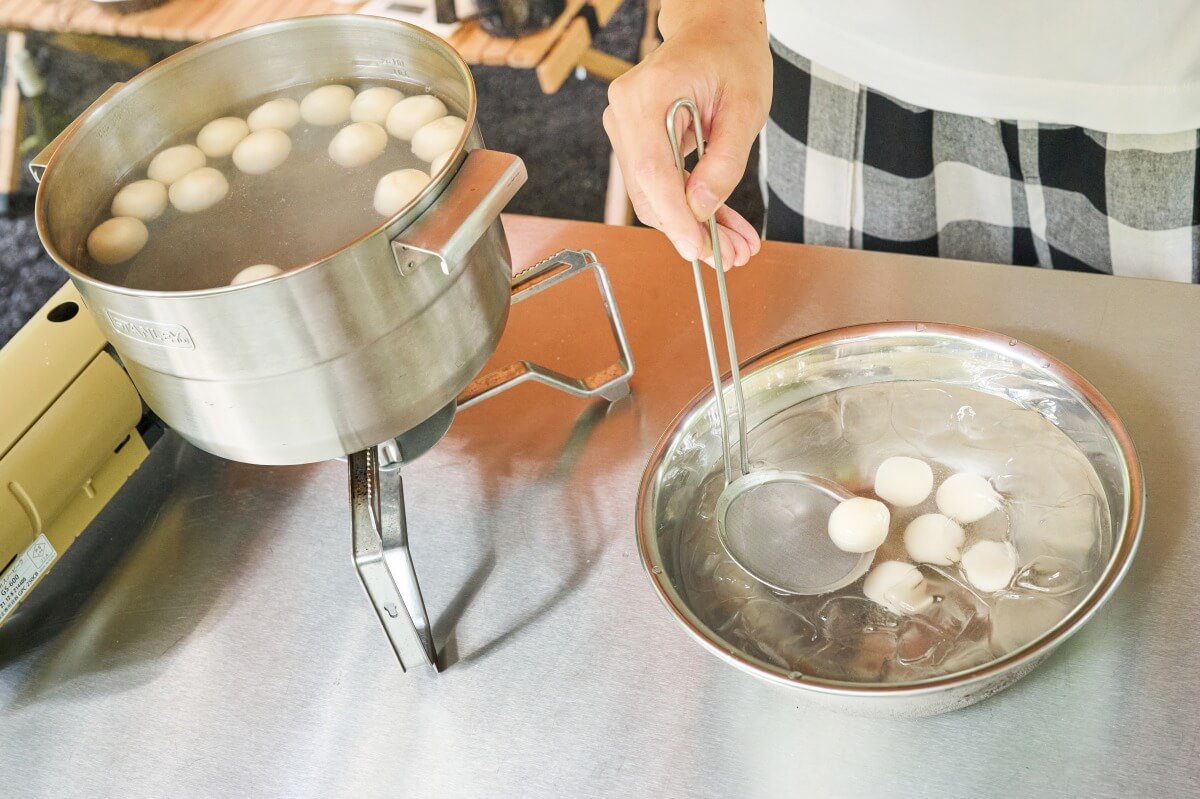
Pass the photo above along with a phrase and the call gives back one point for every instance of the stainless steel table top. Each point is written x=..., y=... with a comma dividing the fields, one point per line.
x=208, y=636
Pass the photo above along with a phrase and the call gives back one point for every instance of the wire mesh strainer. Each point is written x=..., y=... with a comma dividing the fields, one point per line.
x=772, y=523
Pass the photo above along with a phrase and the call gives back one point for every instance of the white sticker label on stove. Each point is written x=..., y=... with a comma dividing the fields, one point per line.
x=18, y=578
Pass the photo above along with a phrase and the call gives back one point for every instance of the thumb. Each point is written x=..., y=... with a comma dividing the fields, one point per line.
x=718, y=173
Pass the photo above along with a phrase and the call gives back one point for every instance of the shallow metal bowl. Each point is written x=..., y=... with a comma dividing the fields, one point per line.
x=876, y=353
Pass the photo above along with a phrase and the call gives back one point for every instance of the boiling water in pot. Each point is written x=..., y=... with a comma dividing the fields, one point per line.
x=302, y=210
x=1053, y=513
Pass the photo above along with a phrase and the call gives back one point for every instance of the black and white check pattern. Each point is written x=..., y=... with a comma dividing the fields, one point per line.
x=847, y=166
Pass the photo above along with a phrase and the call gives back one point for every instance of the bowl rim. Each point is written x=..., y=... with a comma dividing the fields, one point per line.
x=1115, y=570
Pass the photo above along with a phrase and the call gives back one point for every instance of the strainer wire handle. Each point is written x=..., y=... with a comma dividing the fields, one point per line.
x=723, y=297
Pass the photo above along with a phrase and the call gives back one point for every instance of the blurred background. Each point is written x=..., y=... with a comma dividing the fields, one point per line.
x=559, y=135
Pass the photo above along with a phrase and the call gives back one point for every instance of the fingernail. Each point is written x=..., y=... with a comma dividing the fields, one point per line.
x=704, y=201
x=687, y=249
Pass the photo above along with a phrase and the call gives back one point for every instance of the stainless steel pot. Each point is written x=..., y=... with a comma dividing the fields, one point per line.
x=691, y=449
x=340, y=354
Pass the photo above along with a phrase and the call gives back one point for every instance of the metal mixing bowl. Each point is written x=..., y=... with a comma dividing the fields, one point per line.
x=877, y=353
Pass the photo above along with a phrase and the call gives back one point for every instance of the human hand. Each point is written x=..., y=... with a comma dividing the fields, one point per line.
x=716, y=53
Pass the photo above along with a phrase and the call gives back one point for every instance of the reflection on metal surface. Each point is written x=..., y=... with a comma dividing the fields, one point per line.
x=569, y=678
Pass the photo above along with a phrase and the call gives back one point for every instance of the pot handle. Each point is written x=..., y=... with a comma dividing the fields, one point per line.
x=477, y=194
x=610, y=383
x=37, y=165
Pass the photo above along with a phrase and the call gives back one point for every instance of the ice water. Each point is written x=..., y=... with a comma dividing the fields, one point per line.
x=306, y=208
x=1054, y=513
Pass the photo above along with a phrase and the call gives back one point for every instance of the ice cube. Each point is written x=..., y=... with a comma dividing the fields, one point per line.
x=1050, y=576
x=724, y=594
x=699, y=553
x=733, y=582
x=871, y=656
x=865, y=414
x=917, y=640
x=980, y=430
x=990, y=436
x=815, y=423
x=1070, y=530
x=1018, y=618
x=956, y=615
x=1045, y=475
x=993, y=527
x=705, y=501
x=719, y=613
x=697, y=570
x=786, y=637
x=844, y=619
x=967, y=655
x=769, y=619
x=926, y=417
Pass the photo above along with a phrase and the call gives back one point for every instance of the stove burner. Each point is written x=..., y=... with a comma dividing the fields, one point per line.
x=380, y=532
x=416, y=442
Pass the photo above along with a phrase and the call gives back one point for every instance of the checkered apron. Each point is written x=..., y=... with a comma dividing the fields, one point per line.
x=847, y=166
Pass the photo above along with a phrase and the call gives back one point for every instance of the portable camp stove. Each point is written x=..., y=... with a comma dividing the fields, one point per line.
x=380, y=531
x=60, y=477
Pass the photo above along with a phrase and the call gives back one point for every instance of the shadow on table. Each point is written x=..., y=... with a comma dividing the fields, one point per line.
x=143, y=576
x=581, y=557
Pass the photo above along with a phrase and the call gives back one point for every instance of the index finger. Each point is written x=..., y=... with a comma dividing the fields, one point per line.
x=654, y=171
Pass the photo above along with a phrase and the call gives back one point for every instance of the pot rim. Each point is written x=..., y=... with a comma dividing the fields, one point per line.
x=1118, y=563
x=390, y=227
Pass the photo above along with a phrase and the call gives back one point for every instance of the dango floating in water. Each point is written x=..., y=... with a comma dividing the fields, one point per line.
x=218, y=138
x=175, y=162
x=282, y=113
x=328, y=105
x=934, y=538
x=897, y=586
x=373, y=105
x=142, y=199
x=256, y=272
x=967, y=497
x=437, y=137
x=859, y=524
x=116, y=240
x=396, y=189
x=198, y=190
x=990, y=565
x=262, y=151
x=904, y=482
x=357, y=144
x=413, y=113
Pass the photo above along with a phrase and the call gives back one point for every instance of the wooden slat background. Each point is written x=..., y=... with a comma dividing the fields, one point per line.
x=197, y=20
x=179, y=20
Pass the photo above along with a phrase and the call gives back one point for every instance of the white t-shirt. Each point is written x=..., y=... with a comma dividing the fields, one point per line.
x=1121, y=66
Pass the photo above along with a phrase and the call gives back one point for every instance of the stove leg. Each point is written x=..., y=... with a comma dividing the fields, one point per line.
x=611, y=383
x=382, y=558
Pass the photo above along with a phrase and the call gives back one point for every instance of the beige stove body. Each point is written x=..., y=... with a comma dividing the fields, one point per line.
x=69, y=439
